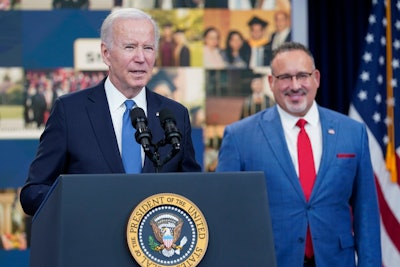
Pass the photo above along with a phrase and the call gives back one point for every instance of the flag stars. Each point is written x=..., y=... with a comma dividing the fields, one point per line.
x=397, y=23
x=362, y=95
x=376, y=117
x=388, y=121
x=385, y=140
x=381, y=60
x=383, y=41
x=390, y=101
x=393, y=83
x=379, y=79
x=396, y=43
x=395, y=63
x=367, y=57
x=364, y=76
x=369, y=38
x=378, y=98
x=372, y=19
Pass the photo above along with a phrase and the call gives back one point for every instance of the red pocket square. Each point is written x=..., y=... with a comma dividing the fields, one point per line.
x=346, y=155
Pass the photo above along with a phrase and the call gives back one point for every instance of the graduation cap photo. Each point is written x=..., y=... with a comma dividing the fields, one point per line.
x=257, y=20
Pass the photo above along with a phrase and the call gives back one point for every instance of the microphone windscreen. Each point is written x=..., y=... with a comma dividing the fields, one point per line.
x=166, y=114
x=137, y=113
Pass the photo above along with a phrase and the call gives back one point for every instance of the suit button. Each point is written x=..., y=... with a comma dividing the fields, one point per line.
x=301, y=240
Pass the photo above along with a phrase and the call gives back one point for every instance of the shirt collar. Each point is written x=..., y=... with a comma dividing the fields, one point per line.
x=284, y=32
x=289, y=121
x=116, y=99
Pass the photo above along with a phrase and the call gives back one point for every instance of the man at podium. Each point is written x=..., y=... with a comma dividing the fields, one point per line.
x=85, y=133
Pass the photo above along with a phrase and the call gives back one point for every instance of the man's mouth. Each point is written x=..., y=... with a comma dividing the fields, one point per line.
x=295, y=95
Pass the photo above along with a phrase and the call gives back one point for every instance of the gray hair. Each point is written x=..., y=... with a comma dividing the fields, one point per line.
x=125, y=13
x=290, y=46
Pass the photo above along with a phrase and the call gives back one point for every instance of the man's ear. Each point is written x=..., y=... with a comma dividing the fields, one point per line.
x=105, y=53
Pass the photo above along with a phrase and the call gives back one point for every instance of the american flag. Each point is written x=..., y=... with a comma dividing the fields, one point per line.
x=374, y=103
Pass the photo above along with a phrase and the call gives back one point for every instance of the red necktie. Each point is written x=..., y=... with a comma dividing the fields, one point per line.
x=306, y=171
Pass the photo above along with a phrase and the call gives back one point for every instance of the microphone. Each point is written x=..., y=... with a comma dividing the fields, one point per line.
x=172, y=134
x=139, y=121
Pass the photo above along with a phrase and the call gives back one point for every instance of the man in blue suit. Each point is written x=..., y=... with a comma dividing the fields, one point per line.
x=340, y=214
x=83, y=133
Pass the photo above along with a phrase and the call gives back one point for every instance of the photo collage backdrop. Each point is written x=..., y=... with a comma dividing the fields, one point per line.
x=206, y=62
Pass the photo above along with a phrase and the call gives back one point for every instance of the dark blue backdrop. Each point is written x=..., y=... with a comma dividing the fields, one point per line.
x=10, y=39
x=33, y=39
x=43, y=43
x=336, y=36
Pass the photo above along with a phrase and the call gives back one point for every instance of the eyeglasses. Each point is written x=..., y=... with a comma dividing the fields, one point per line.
x=300, y=77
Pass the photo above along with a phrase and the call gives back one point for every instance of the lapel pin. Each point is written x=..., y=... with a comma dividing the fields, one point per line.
x=331, y=131
x=157, y=114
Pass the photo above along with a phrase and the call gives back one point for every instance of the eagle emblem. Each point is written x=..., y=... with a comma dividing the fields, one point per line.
x=167, y=229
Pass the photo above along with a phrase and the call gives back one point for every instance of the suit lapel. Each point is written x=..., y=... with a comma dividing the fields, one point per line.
x=272, y=129
x=329, y=130
x=100, y=119
x=153, y=109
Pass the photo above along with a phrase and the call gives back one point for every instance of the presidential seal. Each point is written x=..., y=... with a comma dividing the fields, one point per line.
x=167, y=230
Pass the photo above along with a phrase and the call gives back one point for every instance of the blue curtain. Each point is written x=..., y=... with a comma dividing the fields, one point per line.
x=336, y=38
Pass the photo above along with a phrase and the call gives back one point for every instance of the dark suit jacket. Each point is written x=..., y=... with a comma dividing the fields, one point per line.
x=342, y=211
x=184, y=57
x=216, y=4
x=79, y=138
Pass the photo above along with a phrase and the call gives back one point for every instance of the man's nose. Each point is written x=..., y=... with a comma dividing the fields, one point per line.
x=139, y=54
x=295, y=82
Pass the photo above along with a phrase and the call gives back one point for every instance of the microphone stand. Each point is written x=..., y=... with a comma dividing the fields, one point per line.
x=143, y=136
x=155, y=156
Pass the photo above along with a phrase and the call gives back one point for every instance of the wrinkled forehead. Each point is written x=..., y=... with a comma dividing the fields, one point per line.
x=137, y=28
x=133, y=24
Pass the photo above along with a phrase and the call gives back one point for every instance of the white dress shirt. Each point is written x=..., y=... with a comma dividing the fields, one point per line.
x=313, y=129
x=246, y=4
x=116, y=104
x=280, y=38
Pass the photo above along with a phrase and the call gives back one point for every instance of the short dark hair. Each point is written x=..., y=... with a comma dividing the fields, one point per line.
x=290, y=46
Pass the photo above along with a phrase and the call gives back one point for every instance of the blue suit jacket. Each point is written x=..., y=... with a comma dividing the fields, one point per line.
x=342, y=212
x=79, y=138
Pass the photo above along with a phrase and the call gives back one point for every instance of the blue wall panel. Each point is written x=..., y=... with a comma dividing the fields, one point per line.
x=10, y=39
x=15, y=158
x=48, y=47
x=14, y=258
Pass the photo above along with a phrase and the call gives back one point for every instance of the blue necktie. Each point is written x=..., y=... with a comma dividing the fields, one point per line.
x=131, y=151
